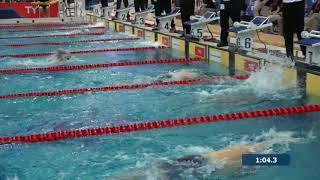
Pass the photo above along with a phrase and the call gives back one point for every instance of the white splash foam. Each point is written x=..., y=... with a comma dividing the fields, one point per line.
x=268, y=83
x=98, y=24
x=192, y=150
x=50, y=61
x=15, y=177
x=28, y=63
x=146, y=43
x=269, y=80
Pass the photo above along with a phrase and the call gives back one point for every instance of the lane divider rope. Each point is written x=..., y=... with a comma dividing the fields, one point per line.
x=94, y=66
x=53, y=29
x=44, y=25
x=55, y=35
x=144, y=126
x=70, y=42
x=85, y=51
x=122, y=87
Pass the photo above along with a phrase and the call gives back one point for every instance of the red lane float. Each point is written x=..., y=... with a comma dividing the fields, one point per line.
x=94, y=66
x=56, y=35
x=44, y=25
x=122, y=87
x=84, y=51
x=52, y=29
x=144, y=126
x=71, y=42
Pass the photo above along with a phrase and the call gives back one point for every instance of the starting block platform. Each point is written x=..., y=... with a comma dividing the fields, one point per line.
x=312, y=42
x=122, y=14
x=198, y=23
x=140, y=17
x=246, y=31
x=165, y=20
x=109, y=11
x=106, y=11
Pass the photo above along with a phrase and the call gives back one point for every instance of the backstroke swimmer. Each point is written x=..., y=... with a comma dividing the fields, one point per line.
x=77, y=31
x=178, y=75
x=230, y=157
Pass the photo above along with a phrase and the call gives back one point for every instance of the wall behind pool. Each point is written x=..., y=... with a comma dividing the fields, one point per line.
x=307, y=76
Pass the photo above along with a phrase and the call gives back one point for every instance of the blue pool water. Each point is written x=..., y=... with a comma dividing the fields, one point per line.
x=128, y=155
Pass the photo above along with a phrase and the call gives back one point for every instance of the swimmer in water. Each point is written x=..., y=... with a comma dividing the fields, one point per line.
x=78, y=31
x=230, y=157
x=62, y=55
x=171, y=76
x=178, y=76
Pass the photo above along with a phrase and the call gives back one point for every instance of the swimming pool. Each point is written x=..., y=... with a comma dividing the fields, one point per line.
x=112, y=156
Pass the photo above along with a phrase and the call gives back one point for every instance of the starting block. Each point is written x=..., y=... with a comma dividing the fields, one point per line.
x=108, y=11
x=246, y=31
x=198, y=23
x=165, y=20
x=122, y=14
x=97, y=9
x=140, y=17
x=312, y=42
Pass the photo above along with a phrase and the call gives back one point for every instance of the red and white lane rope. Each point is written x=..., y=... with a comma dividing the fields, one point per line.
x=95, y=66
x=122, y=87
x=71, y=42
x=55, y=35
x=52, y=29
x=44, y=24
x=144, y=126
x=84, y=51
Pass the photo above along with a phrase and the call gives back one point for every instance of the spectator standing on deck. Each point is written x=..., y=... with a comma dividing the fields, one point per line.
x=313, y=23
x=162, y=6
x=293, y=22
x=229, y=9
x=187, y=10
x=139, y=5
x=125, y=2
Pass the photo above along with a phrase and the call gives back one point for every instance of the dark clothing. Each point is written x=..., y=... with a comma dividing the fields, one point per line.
x=139, y=5
x=293, y=22
x=44, y=6
x=210, y=4
x=174, y=169
x=232, y=9
x=187, y=10
x=125, y=2
x=164, y=5
x=104, y=3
